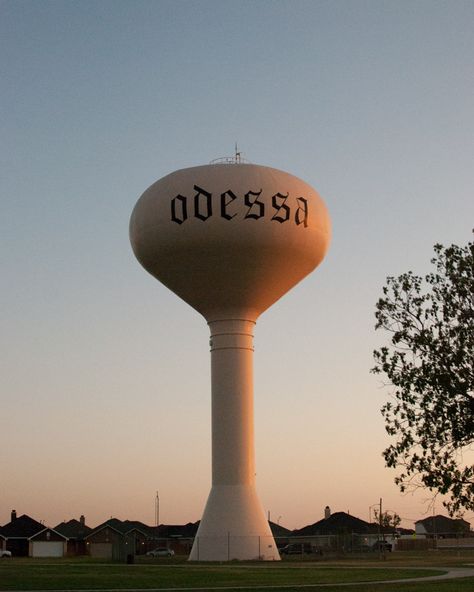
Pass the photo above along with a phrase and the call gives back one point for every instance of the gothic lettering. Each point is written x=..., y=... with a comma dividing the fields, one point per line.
x=301, y=216
x=179, y=210
x=226, y=199
x=207, y=209
x=256, y=209
x=283, y=207
x=282, y=210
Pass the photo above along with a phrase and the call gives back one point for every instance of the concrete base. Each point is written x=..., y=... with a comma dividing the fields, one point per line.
x=234, y=526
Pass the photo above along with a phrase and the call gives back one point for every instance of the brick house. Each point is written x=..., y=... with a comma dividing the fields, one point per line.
x=76, y=532
x=442, y=527
x=18, y=533
x=47, y=543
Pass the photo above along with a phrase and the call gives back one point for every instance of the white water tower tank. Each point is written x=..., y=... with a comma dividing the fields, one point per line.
x=231, y=239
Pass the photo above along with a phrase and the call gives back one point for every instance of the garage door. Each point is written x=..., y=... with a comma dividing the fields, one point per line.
x=48, y=549
x=103, y=550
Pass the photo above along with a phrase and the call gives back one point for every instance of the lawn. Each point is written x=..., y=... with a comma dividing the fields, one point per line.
x=85, y=574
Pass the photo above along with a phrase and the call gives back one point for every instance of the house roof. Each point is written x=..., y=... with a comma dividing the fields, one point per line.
x=73, y=529
x=129, y=525
x=22, y=527
x=175, y=530
x=337, y=523
x=439, y=524
x=122, y=526
x=278, y=530
x=47, y=530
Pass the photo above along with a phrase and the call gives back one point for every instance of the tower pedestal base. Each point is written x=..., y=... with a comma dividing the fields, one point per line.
x=234, y=527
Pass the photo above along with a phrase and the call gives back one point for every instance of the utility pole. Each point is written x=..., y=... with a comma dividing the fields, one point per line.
x=157, y=513
x=381, y=530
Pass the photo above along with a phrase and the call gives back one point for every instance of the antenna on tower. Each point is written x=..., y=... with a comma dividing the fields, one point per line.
x=237, y=154
x=237, y=158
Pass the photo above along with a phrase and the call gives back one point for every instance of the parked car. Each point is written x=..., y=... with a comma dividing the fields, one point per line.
x=296, y=549
x=382, y=546
x=161, y=552
x=5, y=553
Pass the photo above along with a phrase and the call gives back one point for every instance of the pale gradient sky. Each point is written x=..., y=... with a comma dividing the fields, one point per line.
x=105, y=380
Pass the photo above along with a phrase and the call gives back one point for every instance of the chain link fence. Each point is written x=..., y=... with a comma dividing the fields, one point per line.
x=232, y=547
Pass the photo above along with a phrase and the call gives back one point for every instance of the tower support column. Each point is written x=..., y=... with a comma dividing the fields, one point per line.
x=233, y=525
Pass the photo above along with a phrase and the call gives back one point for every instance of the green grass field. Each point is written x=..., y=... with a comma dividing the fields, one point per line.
x=86, y=574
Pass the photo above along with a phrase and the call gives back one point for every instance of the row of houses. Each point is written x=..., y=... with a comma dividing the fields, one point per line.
x=118, y=539
x=342, y=532
x=342, y=522
x=113, y=539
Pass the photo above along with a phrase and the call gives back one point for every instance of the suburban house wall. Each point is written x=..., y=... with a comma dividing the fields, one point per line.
x=135, y=543
x=47, y=543
x=75, y=531
x=19, y=547
x=420, y=529
x=106, y=543
x=76, y=547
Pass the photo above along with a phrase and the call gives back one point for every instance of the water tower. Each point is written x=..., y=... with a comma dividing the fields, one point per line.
x=231, y=238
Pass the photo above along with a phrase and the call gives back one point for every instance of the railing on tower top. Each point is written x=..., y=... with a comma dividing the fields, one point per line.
x=236, y=159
